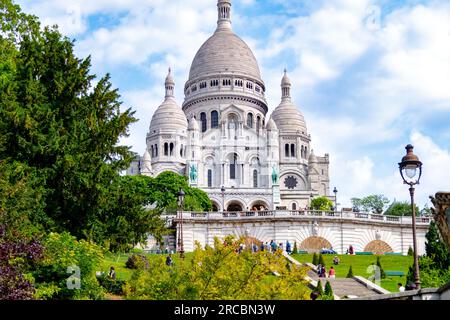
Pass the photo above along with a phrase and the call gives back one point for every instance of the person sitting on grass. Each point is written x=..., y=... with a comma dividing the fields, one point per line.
x=336, y=260
x=112, y=273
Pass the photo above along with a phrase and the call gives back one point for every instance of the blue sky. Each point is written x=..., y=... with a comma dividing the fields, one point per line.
x=369, y=76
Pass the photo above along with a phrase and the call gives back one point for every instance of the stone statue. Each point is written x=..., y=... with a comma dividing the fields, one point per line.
x=193, y=173
x=377, y=235
x=274, y=175
x=315, y=228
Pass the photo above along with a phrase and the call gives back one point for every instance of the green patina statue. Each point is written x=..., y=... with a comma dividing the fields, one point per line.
x=274, y=175
x=193, y=173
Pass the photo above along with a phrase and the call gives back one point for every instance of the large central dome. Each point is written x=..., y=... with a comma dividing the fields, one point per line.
x=224, y=52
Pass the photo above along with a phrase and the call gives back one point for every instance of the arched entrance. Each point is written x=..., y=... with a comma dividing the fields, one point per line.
x=234, y=206
x=378, y=247
x=258, y=204
x=215, y=207
x=315, y=244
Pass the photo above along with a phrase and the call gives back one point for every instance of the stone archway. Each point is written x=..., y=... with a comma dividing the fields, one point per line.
x=258, y=204
x=378, y=247
x=314, y=244
x=234, y=206
x=215, y=206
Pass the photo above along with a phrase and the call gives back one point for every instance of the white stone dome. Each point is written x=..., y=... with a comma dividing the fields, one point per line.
x=288, y=118
x=271, y=125
x=224, y=52
x=168, y=116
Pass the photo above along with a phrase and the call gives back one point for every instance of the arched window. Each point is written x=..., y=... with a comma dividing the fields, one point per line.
x=306, y=153
x=209, y=178
x=166, y=149
x=181, y=151
x=302, y=152
x=258, y=123
x=255, y=179
x=233, y=167
x=294, y=206
x=171, y=149
x=292, y=150
x=156, y=150
x=203, y=121
x=250, y=120
x=286, y=150
x=152, y=151
x=214, y=119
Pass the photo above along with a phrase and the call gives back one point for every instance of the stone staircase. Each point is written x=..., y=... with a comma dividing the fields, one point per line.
x=356, y=287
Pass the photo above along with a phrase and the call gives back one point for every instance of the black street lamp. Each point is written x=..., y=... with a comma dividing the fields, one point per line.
x=180, y=208
x=410, y=168
x=335, y=198
x=223, y=198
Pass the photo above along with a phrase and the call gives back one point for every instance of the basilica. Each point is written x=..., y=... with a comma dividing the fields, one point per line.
x=222, y=137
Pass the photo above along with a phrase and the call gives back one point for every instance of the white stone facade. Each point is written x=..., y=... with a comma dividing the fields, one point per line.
x=223, y=137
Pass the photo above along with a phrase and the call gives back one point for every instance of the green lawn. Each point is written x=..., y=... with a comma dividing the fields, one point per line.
x=360, y=263
x=118, y=260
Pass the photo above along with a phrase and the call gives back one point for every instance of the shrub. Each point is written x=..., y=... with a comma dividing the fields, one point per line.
x=67, y=260
x=137, y=261
x=329, y=291
x=350, y=272
x=410, y=251
x=321, y=260
x=295, y=247
x=113, y=286
x=382, y=273
x=315, y=259
x=319, y=288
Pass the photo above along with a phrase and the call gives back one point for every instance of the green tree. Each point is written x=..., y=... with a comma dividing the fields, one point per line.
x=126, y=220
x=315, y=259
x=321, y=203
x=295, y=247
x=434, y=266
x=382, y=273
x=220, y=273
x=401, y=209
x=319, y=288
x=165, y=188
x=372, y=203
x=321, y=260
x=328, y=291
x=410, y=251
x=350, y=272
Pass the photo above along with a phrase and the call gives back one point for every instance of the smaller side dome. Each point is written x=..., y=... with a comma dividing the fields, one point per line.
x=312, y=158
x=169, y=115
x=271, y=125
x=193, y=124
x=146, y=156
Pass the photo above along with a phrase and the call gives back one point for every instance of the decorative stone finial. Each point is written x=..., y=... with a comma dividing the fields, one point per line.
x=285, y=87
x=224, y=15
x=169, y=84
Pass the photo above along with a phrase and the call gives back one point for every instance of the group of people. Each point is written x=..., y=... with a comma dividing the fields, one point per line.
x=322, y=272
x=261, y=208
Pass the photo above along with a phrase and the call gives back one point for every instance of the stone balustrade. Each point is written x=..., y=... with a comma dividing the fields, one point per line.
x=299, y=214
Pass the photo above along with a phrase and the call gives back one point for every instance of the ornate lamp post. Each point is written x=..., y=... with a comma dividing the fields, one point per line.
x=335, y=198
x=180, y=208
x=223, y=198
x=411, y=171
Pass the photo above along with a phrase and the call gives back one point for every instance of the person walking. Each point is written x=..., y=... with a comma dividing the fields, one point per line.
x=288, y=247
x=332, y=273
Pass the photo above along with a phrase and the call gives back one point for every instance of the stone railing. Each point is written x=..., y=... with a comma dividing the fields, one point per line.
x=301, y=214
